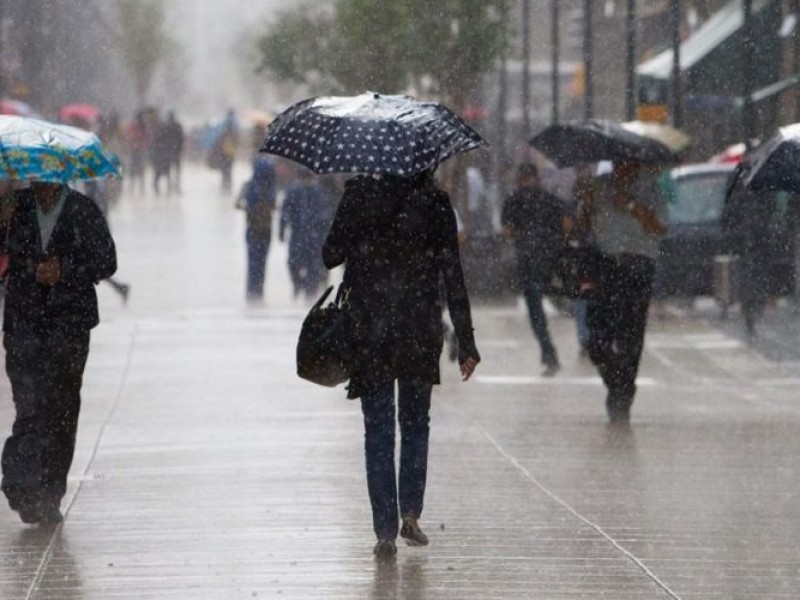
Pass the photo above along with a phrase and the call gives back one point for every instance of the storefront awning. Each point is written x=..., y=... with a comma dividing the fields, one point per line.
x=714, y=32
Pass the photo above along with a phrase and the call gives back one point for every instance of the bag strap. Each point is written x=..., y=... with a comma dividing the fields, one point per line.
x=322, y=298
x=343, y=296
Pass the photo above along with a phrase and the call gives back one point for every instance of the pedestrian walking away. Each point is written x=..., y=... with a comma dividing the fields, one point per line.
x=749, y=221
x=626, y=220
x=306, y=215
x=396, y=238
x=258, y=201
x=59, y=247
x=535, y=220
x=174, y=141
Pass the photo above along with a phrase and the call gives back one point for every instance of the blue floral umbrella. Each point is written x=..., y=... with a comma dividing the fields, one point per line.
x=33, y=150
x=370, y=133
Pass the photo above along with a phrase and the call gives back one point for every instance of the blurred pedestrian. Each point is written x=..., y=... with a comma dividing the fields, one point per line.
x=582, y=188
x=173, y=132
x=627, y=219
x=396, y=238
x=59, y=247
x=534, y=219
x=161, y=155
x=138, y=138
x=223, y=151
x=306, y=213
x=748, y=221
x=258, y=201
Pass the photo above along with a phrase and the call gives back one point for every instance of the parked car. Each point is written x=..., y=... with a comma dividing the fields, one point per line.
x=696, y=234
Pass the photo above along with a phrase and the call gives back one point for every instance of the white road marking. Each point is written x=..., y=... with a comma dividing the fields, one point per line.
x=557, y=380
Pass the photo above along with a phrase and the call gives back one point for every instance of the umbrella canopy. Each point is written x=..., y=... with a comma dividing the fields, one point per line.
x=79, y=112
x=33, y=150
x=775, y=164
x=595, y=140
x=674, y=139
x=370, y=133
x=17, y=108
x=732, y=154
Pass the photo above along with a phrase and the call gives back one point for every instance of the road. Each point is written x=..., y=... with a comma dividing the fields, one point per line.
x=207, y=470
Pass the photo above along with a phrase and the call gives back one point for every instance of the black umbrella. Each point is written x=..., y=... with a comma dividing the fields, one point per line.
x=370, y=133
x=775, y=164
x=596, y=140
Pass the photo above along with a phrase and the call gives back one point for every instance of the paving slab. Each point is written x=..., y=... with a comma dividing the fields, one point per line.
x=207, y=470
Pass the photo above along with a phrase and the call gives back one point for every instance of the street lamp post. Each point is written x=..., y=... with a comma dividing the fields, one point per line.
x=677, y=81
x=748, y=114
x=588, y=60
x=555, y=43
x=526, y=65
x=630, y=60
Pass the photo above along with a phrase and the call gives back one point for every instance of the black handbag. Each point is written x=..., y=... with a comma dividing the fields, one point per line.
x=324, y=348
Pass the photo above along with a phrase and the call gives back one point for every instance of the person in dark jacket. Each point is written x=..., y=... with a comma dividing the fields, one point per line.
x=258, y=202
x=749, y=222
x=60, y=248
x=535, y=221
x=306, y=215
x=397, y=238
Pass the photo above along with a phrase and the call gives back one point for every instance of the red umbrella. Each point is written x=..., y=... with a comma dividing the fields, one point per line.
x=79, y=112
x=732, y=154
x=16, y=108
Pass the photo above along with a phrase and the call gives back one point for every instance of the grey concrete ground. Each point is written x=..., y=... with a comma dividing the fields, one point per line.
x=207, y=470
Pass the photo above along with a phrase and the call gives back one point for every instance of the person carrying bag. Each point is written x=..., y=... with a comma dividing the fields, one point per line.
x=396, y=238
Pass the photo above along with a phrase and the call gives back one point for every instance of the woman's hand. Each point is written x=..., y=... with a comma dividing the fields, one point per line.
x=468, y=367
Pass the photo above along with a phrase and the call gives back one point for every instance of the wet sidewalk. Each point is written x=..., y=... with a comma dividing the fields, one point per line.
x=207, y=470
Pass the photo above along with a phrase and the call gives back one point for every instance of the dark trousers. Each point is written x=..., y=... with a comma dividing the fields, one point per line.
x=413, y=406
x=257, y=250
x=46, y=373
x=617, y=317
x=534, y=296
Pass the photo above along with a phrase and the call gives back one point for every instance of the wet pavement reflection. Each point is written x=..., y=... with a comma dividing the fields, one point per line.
x=207, y=470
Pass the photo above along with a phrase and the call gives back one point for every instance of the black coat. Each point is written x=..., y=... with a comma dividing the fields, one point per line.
x=535, y=219
x=397, y=243
x=84, y=246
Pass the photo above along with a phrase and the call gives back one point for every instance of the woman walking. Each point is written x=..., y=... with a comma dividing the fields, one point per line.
x=397, y=237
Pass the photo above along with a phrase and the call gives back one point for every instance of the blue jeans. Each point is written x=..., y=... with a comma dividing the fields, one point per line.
x=414, y=402
x=534, y=295
x=579, y=305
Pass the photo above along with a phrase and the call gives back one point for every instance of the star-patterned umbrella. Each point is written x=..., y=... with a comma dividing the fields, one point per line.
x=370, y=133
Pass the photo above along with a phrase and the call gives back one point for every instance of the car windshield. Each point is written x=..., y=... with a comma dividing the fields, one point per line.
x=699, y=198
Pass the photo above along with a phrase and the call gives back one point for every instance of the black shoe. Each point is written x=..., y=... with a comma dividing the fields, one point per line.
x=43, y=514
x=619, y=414
x=551, y=370
x=29, y=515
x=618, y=406
x=50, y=515
x=411, y=532
x=385, y=550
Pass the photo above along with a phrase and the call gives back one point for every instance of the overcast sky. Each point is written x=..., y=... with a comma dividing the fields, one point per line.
x=212, y=72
